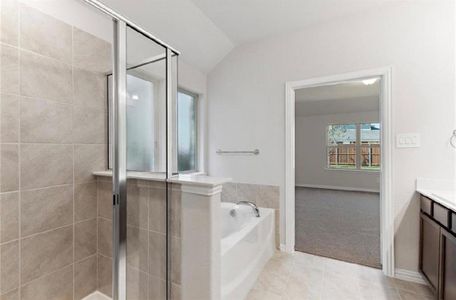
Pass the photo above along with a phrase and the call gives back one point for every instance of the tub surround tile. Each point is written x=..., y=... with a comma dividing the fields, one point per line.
x=46, y=78
x=9, y=72
x=157, y=288
x=104, y=199
x=105, y=275
x=85, y=277
x=44, y=34
x=55, y=286
x=87, y=159
x=85, y=240
x=91, y=53
x=9, y=22
x=268, y=196
x=9, y=118
x=46, y=209
x=56, y=161
x=157, y=254
x=46, y=252
x=247, y=192
x=85, y=201
x=9, y=170
x=45, y=121
x=229, y=192
x=9, y=266
x=137, y=284
x=90, y=90
x=157, y=210
x=9, y=216
x=137, y=248
x=137, y=206
x=12, y=295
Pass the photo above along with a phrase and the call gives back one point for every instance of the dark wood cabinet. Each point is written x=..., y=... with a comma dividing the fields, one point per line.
x=430, y=251
x=447, y=290
x=438, y=248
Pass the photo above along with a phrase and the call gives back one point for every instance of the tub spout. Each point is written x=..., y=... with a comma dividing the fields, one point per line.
x=248, y=203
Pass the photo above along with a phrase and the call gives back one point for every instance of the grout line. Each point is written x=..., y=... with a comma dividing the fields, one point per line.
x=45, y=231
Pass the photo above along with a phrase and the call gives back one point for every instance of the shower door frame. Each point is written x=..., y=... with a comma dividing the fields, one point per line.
x=119, y=144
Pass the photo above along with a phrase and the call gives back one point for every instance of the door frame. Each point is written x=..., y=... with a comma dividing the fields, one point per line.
x=386, y=203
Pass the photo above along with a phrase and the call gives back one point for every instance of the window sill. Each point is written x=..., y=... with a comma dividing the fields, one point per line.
x=353, y=170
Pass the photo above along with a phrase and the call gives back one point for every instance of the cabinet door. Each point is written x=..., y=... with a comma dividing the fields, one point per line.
x=429, y=251
x=448, y=267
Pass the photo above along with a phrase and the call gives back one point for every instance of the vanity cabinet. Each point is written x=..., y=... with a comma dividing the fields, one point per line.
x=438, y=248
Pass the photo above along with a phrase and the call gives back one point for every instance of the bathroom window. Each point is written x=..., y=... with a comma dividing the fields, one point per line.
x=354, y=146
x=187, y=131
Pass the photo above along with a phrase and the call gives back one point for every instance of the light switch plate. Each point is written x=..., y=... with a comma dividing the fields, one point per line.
x=408, y=140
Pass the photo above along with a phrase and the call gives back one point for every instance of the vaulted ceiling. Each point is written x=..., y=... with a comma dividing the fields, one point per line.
x=207, y=30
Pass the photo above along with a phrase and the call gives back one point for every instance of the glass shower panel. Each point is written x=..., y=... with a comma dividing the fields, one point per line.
x=146, y=153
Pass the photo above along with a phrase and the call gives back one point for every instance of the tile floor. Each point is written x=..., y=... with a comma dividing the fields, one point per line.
x=308, y=277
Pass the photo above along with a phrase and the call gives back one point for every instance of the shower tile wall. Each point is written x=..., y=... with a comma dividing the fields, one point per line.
x=53, y=135
x=146, y=239
x=267, y=196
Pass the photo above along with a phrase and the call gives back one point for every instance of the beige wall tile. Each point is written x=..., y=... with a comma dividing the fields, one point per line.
x=47, y=78
x=55, y=161
x=9, y=118
x=89, y=126
x=56, y=286
x=46, y=209
x=229, y=192
x=9, y=28
x=9, y=167
x=105, y=237
x=157, y=288
x=44, y=34
x=104, y=199
x=137, y=206
x=90, y=89
x=85, y=239
x=9, y=72
x=13, y=295
x=46, y=252
x=268, y=196
x=85, y=277
x=45, y=121
x=9, y=266
x=9, y=216
x=157, y=254
x=137, y=284
x=137, y=248
x=87, y=159
x=247, y=192
x=85, y=201
x=176, y=265
x=176, y=291
x=157, y=210
x=105, y=275
x=175, y=213
x=91, y=53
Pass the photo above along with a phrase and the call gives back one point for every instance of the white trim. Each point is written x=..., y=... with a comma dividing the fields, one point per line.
x=337, y=188
x=411, y=276
x=282, y=248
x=386, y=206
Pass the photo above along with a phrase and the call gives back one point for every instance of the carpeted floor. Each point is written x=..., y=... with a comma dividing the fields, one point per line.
x=344, y=225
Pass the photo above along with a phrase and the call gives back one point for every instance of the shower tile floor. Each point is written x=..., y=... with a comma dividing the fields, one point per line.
x=303, y=276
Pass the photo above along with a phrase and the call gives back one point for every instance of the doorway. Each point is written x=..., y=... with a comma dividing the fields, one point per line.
x=339, y=156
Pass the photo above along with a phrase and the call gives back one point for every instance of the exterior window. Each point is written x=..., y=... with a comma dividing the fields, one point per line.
x=187, y=131
x=353, y=146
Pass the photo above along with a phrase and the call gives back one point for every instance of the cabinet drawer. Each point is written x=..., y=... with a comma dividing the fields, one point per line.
x=441, y=214
x=426, y=205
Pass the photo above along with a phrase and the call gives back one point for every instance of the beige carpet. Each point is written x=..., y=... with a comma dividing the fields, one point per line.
x=343, y=225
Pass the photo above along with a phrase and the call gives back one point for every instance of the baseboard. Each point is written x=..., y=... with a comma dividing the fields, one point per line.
x=97, y=295
x=409, y=276
x=339, y=188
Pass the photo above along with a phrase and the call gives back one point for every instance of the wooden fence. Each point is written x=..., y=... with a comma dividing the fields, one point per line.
x=345, y=155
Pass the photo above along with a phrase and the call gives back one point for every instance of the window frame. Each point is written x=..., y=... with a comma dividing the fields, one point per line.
x=358, y=146
x=196, y=98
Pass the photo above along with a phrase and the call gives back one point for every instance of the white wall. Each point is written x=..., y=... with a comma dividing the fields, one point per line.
x=246, y=91
x=311, y=158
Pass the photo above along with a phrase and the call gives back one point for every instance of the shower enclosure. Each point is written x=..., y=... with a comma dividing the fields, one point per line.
x=85, y=96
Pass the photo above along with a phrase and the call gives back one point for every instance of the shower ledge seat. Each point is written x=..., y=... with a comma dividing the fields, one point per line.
x=200, y=231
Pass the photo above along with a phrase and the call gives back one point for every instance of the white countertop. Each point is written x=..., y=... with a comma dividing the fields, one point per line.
x=441, y=191
x=191, y=179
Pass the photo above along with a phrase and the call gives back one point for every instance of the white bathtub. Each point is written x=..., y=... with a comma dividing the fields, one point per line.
x=247, y=244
